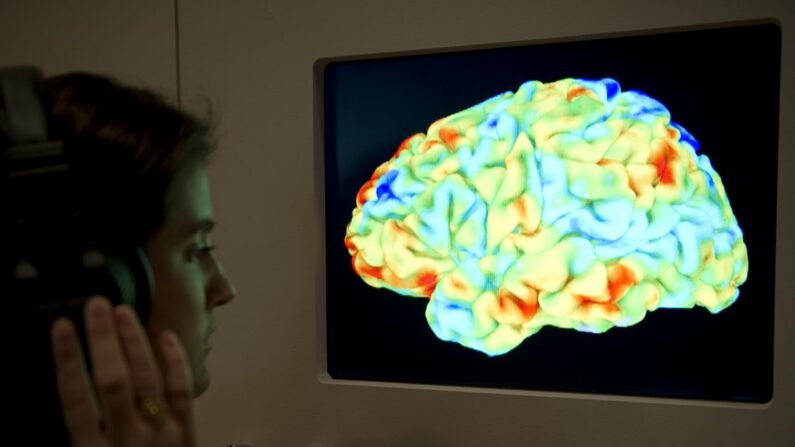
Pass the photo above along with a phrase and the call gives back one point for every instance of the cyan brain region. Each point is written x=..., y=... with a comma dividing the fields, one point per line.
x=571, y=204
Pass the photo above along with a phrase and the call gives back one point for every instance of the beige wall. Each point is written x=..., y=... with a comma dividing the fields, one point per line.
x=134, y=41
x=253, y=60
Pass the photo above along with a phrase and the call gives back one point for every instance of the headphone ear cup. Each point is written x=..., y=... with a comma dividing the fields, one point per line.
x=133, y=279
x=39, y=287
x=46, y=284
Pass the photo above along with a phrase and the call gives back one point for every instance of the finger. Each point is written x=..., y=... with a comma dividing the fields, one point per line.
x=143, y=367
x=74, y=390
x=179, y=382
x=111, y=375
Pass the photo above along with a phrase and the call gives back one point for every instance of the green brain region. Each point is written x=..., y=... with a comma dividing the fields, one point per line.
x=570, y=204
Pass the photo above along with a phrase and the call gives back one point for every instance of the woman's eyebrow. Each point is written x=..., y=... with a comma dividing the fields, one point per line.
x=203, y=226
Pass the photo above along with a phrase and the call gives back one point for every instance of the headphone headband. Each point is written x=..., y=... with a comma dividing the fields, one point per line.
x=22, y=117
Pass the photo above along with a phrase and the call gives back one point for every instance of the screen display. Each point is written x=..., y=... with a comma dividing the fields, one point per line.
x=593, y=216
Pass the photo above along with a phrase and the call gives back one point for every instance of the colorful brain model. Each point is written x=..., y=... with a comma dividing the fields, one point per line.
x=570, y=204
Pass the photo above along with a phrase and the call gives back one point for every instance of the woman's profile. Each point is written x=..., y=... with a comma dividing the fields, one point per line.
x=142, y=175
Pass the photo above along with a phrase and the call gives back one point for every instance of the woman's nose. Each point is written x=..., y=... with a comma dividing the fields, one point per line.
x=223, y=290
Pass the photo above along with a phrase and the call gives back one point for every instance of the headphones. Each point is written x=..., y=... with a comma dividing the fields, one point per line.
x=54, y=254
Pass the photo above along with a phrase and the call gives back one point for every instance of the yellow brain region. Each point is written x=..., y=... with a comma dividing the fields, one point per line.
x=571, y=204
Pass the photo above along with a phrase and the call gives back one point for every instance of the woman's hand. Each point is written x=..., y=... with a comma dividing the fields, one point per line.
x=128, y=404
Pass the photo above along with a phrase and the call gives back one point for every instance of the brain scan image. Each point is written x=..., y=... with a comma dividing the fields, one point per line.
x=570, y=204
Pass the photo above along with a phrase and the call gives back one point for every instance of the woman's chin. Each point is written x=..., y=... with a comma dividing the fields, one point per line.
x=201, y=382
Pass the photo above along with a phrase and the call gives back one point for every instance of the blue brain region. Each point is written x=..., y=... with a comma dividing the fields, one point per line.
x=569, y=204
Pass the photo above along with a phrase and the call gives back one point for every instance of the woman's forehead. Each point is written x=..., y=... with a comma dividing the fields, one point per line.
x=192, y=207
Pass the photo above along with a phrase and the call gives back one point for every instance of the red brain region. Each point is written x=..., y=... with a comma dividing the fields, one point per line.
x=570, y=204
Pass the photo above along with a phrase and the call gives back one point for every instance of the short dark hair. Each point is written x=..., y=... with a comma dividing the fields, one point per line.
x=129, y=146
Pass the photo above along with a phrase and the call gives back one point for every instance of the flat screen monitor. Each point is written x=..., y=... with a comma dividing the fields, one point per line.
x=588, y=217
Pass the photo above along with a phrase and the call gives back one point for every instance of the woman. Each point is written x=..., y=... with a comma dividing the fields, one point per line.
x=143, y=167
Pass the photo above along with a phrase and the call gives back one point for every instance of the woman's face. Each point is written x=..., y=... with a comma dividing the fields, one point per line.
x=189, y=280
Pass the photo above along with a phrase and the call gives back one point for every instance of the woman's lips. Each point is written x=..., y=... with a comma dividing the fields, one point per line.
x=207, y=346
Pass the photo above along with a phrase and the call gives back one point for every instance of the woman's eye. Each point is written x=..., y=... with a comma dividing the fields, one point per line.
x=203, y=252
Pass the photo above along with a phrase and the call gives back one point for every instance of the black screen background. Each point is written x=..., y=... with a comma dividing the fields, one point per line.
x=722, y=85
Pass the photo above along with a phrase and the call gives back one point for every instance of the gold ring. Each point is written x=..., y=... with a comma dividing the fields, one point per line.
x=151, y=408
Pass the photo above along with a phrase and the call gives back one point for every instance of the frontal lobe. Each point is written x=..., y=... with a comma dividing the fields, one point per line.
x=571, y=204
